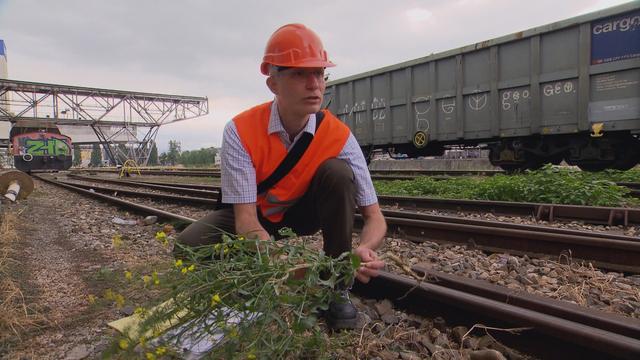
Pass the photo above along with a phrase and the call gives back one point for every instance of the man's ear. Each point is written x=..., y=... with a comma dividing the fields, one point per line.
x=272, y=84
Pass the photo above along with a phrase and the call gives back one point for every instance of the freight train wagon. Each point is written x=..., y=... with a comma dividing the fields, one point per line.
x=569, y=90
x=39, y=146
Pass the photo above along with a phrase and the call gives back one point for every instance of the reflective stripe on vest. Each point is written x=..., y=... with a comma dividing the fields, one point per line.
x=267, y=151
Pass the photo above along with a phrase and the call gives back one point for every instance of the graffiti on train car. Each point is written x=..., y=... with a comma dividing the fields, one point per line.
x=38, y=144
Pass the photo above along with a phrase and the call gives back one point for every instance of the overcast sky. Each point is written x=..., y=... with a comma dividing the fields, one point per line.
x=214, y=48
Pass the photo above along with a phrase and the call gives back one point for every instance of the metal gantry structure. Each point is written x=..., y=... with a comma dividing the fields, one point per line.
x=115, y=116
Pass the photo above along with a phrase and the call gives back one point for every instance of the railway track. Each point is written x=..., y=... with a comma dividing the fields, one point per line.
x=615, y=252
x=550, y=324
x=546, y=212
x=385, y=174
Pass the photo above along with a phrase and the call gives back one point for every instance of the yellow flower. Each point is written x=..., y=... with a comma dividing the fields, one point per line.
x=216, y=247
x=146, y=279
x=215, y=300
x=140, y=311
x=233, y=333
x=143, y=341
x=183, y=270
x=119, y=299
x=156, y=280
x=178, y=263
x=251, y=356
x=241, y=238
x=128, y=275
x=161, y=236
x=92, y=299
x=109, y=295
x=116, y=240
x=150, y=356
x=161, y=350
x=124, y=344
x=192, y=267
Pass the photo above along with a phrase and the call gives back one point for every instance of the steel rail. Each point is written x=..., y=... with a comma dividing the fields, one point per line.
x=588, y=341
x=123, y=203
x=618, y=324
x=186, y=173
x=173, y=189
x=141, y=194
x=607, y=253
x=547, y=212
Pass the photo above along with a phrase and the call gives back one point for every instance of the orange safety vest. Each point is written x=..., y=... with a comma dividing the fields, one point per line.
x=267, y=152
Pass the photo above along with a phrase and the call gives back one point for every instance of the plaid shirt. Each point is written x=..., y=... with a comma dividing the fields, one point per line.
x=239, y=175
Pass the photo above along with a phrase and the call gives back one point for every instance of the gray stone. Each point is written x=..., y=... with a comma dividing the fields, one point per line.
x=151, y=219
x=458, y=332
x=486, y=341
x=470, y=342
x=384, y=307
x=624, y=286
x=409, y=355
x=79, y=352
x=442, y=340
x=634, y=279
x=127, y=310
x=362, y=320
x=625, y=308
x=389, y=355
x=439, y=323
x=120, y=221
x=486, y=355
x=426, y=342
x=390, y=319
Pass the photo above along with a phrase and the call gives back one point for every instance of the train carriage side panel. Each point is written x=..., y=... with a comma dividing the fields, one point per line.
x=615, y=72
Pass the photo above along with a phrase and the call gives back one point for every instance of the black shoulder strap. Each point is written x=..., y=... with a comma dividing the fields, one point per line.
x=292, y=158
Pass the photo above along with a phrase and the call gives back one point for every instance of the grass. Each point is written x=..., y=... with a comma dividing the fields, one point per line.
x=16, y=315
x=550, y=184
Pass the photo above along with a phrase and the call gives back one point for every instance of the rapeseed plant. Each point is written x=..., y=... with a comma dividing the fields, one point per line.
x=243, y=296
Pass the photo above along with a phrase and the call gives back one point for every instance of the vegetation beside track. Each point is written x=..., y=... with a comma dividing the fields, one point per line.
x=16, y=314
x=548, y=185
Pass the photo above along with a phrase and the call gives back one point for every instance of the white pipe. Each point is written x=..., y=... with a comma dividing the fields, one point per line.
x=13, y=190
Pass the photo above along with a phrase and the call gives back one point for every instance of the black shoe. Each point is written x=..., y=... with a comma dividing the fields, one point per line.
x=342, y=314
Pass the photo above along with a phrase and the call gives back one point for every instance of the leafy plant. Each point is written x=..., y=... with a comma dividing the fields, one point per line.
x=275, y=291
x=548, y=185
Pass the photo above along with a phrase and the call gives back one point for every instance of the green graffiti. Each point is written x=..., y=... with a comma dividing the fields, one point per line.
x=47, y=147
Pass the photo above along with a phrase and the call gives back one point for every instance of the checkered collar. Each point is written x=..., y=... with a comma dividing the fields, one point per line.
x=275, y=124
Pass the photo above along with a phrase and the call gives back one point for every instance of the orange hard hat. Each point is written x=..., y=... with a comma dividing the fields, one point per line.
x=294, y=45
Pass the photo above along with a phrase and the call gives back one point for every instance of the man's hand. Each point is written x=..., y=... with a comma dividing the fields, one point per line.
x=370, y=264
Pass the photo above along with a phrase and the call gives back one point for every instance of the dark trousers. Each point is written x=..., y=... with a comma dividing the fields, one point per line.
x=328, y=205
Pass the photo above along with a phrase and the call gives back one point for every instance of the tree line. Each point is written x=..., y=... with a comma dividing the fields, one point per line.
x=203, y=157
